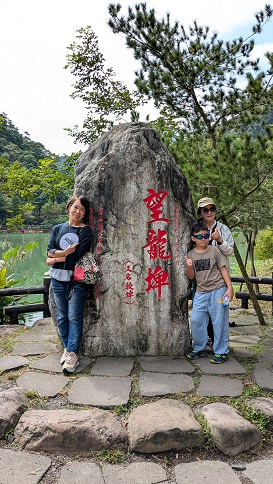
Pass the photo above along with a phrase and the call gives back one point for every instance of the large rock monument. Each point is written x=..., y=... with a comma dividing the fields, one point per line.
x=141, y=216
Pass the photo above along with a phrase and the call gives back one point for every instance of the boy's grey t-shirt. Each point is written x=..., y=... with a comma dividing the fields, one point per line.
x=206, y=266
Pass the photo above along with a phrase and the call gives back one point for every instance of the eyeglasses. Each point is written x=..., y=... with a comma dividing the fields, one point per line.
x=207, y=210
x=200, y=237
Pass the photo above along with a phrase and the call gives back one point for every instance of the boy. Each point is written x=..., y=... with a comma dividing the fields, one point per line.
x=207, y=266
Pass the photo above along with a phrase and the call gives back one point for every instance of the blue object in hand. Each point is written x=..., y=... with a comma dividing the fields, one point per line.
x=225, y=301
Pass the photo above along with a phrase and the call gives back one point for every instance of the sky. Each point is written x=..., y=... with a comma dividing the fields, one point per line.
x=34, y=86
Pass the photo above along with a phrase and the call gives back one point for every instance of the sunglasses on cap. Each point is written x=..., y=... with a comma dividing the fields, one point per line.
x=200, y=237
x=207, y=210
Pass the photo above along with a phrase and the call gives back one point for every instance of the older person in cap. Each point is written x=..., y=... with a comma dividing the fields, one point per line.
x=220, y=235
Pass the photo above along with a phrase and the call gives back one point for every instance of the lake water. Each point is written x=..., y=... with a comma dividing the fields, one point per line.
x=32, y=269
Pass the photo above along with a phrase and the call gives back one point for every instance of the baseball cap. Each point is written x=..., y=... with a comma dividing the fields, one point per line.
x=205, y=201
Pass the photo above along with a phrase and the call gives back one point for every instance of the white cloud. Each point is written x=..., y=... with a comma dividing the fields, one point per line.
x=34, y=35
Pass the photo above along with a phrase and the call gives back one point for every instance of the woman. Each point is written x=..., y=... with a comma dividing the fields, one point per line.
x=220, y=236
x=68, y=242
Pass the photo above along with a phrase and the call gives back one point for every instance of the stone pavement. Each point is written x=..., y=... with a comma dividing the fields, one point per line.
x=106, y=383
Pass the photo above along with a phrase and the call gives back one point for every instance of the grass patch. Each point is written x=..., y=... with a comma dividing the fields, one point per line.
x=114, y=456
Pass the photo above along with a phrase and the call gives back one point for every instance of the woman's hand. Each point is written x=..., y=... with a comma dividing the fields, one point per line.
x=216, y=236
x=50, y=261
x=70, y=249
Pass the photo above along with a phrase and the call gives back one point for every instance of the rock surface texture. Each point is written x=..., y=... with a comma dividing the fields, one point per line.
x=141, y=216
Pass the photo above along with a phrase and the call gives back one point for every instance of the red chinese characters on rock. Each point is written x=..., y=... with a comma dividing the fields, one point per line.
x=99, y=246
x=157, y=243
x=176, y=230
x=129, y=286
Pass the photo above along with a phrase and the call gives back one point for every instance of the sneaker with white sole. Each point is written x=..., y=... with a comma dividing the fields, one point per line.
x=71, y=363
x=64, y=356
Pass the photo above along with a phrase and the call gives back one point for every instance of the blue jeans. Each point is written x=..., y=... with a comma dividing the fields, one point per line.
x=70, y=312
x=205, y=305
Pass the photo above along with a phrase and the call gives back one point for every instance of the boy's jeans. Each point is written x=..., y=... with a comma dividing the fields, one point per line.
x=70, y=312
x=205, y=304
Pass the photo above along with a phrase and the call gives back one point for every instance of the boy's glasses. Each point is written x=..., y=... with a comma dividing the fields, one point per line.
x=200, y=237
x=207, y=210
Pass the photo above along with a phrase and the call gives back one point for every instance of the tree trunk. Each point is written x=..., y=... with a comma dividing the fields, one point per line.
x=251, y=291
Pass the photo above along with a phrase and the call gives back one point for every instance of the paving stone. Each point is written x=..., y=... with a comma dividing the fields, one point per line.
x=12, y=362
x=34, y=348
x=262, y=374
x=135, y=473
x=163, y=425
x=81, y=473
x=36, y=336
x=267, y=343
x=269, y=332
x=266, y=356
x=232, y=433
x=70, y=432
x=52, y=363
x=100, y=391
x=260, y=472
x=206, y=471
x=244, y=352
x=152, y=384
x=109, y=366
x=231, y=366
x=42, y=383
x=246, y=330
x=219, y=386
x=165, y=364
x=243, y=340
x=22, y=467
x=264, y=405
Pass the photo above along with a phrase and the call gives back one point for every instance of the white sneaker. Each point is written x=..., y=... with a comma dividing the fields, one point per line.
x=64, y=356
x=71, y=362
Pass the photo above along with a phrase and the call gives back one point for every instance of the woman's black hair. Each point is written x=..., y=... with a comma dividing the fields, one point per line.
x=198, y=227
x=84, y=202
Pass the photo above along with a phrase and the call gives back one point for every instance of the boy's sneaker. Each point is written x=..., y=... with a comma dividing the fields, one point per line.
x=194, y=354
x=71, y=363
x=64, y=356
x=218, y=359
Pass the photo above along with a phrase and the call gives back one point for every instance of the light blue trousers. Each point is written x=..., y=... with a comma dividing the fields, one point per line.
x=205, y=305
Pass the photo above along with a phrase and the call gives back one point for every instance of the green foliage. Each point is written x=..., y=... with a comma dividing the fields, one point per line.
x=10, y=257
x=30, y=177
x=106, y=99
x=209, y=92
x=113, y=456
x=264, y=245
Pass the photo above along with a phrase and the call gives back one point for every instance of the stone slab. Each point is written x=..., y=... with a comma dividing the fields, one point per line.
x=27, y=349
x=205, y=471
x=135, y=473
x=22, y=467
x=264, y=405
x=243, y=340
x=81, y=473
x=111, y=366
x=231, y=366
x=266, y=356
x=262, y=374
x=42, y=383
x=100, y=391
x=12, y=362
x=52, y=363
x=260, y=472
x=269, y=332
x=267, y=343
x=165, y=364
x=153, y=384
x=246, y=330
x=219, y=386
x=36, y=336
x=244, y=352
